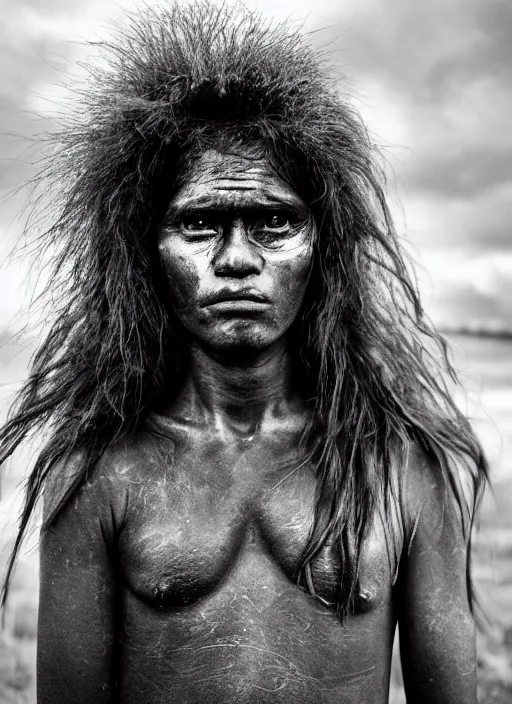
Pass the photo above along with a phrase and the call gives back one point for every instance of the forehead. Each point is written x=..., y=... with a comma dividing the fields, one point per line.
x=232, y=180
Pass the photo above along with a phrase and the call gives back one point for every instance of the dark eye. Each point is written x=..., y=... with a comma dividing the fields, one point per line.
x=276, y=222
x=199, y=224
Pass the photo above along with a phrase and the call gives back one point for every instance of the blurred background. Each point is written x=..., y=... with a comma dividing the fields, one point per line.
x=433, y=80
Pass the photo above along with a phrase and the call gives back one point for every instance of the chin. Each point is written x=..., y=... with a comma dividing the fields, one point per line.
x=243, y=336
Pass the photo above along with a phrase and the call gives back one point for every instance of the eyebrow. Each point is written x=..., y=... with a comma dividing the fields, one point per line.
x=219, y=205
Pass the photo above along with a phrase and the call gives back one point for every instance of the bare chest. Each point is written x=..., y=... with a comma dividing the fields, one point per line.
x=204, y=515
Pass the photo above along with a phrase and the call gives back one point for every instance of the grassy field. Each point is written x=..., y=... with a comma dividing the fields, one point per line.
x=487, y=369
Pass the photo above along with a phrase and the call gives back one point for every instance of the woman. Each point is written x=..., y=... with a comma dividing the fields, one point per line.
x=254, y=469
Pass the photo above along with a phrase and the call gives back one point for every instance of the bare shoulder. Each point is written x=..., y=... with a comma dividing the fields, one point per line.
x=100, y=495
x=436, y=498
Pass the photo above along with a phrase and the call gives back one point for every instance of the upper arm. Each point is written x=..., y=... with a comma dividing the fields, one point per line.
x=76, y=611
x=437, y=630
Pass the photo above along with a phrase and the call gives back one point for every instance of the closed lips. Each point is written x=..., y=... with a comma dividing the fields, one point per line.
x=223, y=296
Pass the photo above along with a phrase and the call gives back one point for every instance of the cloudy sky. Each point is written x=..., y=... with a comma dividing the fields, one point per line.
x=434, y=83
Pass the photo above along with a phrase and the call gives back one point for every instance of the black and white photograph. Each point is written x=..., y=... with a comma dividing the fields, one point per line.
x=255, y=352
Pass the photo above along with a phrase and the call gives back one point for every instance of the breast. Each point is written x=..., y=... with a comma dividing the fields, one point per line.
x=175, y=562
x=187, y=531
x=178, y=561
x=286, y=532
x=183, y=533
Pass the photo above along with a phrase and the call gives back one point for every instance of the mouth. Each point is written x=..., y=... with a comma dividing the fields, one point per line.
x=240, y=298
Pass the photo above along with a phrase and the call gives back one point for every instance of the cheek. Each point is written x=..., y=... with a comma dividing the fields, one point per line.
x=183, y=277
x=293, y=278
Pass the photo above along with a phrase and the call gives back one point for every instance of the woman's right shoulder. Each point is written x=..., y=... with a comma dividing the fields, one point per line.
x=102, y=492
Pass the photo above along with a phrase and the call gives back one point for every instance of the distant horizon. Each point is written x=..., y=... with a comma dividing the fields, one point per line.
x=504, y=333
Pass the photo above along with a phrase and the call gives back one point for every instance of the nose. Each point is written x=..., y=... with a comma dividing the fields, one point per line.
x=237, y=258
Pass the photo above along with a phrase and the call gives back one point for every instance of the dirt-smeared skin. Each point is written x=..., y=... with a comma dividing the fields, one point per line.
x=234, y=192
x=208, y=524
x=170, y=576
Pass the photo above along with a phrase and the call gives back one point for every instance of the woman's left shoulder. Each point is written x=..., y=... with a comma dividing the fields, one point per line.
x=436, y=494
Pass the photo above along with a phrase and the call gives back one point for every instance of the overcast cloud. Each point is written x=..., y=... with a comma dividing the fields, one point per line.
x=434, y=79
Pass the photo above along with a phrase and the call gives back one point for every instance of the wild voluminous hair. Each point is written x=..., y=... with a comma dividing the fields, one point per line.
x=175, y=81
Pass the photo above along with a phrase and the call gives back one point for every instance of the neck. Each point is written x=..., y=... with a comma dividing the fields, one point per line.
x=237, y=390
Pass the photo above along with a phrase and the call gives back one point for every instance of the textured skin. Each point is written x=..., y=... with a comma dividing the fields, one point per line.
x=207, y=543
x=169, y=576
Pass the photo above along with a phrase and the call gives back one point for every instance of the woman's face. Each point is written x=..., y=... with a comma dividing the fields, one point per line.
x=236, y=248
